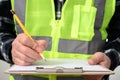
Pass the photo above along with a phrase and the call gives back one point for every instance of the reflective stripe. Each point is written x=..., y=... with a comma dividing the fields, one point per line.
x=76, y=46
x=100, y=4
x=19, y=7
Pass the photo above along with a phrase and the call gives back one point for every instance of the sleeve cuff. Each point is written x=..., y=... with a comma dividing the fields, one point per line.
x=114, y=57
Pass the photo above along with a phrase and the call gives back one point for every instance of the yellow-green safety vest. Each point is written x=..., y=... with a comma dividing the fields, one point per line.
x=79, y=33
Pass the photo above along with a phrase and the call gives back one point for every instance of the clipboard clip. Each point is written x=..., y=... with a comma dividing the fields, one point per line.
x=59, y=69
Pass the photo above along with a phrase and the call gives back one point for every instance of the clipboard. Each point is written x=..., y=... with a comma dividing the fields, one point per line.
x=60, y=67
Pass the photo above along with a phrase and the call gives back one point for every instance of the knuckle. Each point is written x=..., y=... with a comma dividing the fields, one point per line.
x=22, y=38
x=25, y=40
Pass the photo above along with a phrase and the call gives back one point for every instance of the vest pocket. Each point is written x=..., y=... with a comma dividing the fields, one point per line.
x=39, y=17
x=86, y=23
x=78, y=23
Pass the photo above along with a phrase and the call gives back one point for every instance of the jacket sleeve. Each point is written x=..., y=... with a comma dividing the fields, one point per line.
x=7, y=31
x=112, y=49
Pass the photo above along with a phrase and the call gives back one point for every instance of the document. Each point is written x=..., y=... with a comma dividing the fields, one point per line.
x=60, y=66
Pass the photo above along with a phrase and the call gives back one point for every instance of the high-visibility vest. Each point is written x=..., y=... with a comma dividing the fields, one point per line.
x=79, y=33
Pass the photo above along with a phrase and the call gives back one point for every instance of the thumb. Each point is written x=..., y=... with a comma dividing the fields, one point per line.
x=97, y=58
x=40, y=45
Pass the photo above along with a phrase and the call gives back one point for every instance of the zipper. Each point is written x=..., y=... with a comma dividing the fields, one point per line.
x=55, y=35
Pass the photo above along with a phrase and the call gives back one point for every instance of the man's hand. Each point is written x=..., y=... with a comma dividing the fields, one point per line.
x=100, y=59
x=24, y=51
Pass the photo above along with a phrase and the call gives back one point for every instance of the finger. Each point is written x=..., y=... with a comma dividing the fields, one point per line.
x=27, y=52
x=22, y=57
x=43, y=43
x=40, y=45
x=18, y=59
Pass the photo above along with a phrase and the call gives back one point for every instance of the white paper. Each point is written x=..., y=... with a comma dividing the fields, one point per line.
x=65, y=63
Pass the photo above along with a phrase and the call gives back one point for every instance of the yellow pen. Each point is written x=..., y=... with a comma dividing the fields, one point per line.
x=23, y=28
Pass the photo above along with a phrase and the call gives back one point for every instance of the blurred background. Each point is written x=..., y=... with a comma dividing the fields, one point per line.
x=3, y=67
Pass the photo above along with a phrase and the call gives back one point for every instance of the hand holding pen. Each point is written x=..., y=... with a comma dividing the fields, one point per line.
x=24, y=49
